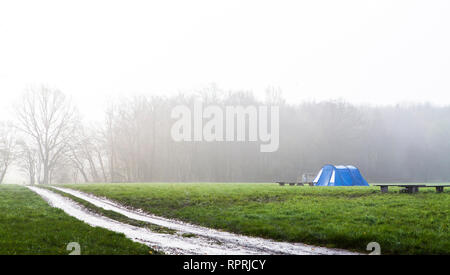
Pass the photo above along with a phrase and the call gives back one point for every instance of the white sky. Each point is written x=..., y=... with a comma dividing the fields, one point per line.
x=378, y=52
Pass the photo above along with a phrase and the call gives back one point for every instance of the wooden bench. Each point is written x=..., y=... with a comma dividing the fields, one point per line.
x=411, y=188
x=282, y=183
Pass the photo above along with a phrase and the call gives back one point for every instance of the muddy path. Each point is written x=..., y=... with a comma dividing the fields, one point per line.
x=205, y=240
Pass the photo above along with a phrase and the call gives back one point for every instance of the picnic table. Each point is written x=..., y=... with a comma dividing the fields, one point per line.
x=282, y=183
x=411, y=188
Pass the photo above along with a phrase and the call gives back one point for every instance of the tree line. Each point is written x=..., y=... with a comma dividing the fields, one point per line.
x=49, y=142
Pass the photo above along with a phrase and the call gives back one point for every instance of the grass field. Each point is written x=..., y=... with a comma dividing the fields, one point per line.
x=344, y=217
x=28, y=225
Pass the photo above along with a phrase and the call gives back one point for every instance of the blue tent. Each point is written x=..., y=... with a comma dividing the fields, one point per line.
x=331, y=175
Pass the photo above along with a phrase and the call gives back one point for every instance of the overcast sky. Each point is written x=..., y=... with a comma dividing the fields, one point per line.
x=378, y=52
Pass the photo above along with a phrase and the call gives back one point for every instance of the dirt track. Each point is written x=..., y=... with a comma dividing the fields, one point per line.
x=206, y=240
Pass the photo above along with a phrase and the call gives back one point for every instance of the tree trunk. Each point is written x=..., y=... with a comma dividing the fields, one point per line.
x=100, y=159
x=2, y=175
x=46, y=174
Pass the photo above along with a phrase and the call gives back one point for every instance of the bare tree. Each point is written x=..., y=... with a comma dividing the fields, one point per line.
x=100, y=153
x=110, y=119
x=49, y=119
x=75, y=155
x=7, y=148
x=28, y=161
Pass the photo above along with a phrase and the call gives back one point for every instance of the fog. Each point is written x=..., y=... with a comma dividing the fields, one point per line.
x=50, y=143
x=376, y=52
x=357, y=82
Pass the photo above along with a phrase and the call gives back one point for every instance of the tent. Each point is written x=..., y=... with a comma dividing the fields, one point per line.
x=340, y=175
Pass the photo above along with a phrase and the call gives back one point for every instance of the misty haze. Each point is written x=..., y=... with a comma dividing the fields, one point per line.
x=224, y=127
x=403, y=143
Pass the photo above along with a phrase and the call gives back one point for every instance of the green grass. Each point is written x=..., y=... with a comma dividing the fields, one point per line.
x=28, y=225
x=344, y=217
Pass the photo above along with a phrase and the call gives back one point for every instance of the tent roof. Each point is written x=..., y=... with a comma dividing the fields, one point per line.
x=340, y=175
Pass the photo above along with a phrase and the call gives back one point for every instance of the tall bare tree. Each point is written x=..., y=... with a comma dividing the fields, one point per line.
x=49, y=119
